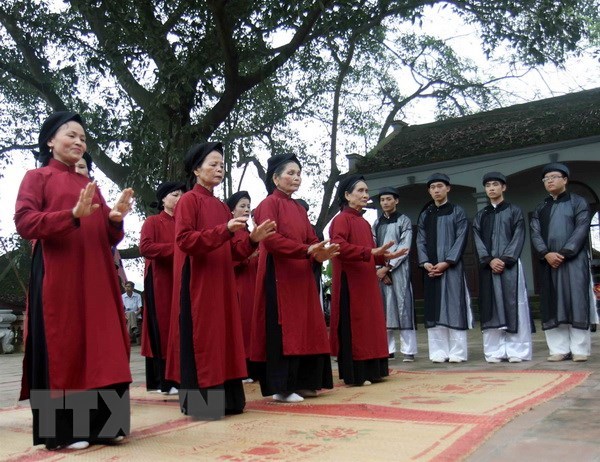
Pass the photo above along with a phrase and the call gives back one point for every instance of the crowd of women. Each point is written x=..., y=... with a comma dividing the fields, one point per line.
x=223, y=303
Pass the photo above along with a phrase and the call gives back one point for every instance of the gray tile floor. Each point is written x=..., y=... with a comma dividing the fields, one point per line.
x=564, y=429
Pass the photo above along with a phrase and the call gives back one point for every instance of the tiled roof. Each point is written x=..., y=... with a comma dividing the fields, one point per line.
x=563, y=118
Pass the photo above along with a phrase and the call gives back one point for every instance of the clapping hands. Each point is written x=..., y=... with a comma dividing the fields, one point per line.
x=85, y=207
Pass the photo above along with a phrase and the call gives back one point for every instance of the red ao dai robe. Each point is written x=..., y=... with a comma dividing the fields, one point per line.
x=245, y=277
x=369, y=337
x=157, y=243
x=203, y=240
x=299, y=310
x=86, y=340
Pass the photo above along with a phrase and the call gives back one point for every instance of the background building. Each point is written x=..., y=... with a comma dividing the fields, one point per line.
x=517, y=141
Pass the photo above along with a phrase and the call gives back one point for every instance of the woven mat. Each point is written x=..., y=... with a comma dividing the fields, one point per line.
x=410, y=416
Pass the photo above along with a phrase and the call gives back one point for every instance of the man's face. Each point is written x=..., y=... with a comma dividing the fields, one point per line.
x=494, y=189
x=439, y=191
x=555, y=183
x=388, y=203
x=128, y=289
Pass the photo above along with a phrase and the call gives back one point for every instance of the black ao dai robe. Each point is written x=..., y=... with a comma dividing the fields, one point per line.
x=563, y=226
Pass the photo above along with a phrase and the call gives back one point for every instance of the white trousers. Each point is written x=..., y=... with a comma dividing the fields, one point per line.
x=565, y=339
x=445, y=343
x=408, y=341
x=497, y=343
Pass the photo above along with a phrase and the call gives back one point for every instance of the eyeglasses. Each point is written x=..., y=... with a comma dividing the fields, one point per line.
x=551, y=178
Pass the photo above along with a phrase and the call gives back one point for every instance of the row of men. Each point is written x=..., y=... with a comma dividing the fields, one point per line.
x=76, y=338
x=559, y=234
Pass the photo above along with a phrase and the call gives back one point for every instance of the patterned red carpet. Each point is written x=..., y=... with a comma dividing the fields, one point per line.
x=441, y=416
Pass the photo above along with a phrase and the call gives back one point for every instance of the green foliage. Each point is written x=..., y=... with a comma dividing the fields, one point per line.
x=152, y=76
x=15, y=264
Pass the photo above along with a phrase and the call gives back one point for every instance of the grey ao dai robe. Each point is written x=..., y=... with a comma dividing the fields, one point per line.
x=499, y=232
x=442, y=236
x=397, y=297
x=563, y=225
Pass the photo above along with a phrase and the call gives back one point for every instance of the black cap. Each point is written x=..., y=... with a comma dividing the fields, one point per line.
x=235, y=198
x=556, y=167
x=164, y=190
x=491, y=176
x=347, y=185
x=195, y=155
x=438, y=177
x=273, y=163
x=49, y=128
x=389, y=191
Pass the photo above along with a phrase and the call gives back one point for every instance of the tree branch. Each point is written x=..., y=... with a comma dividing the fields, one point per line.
x=106, y=36
x=236, y=85
x=39, y=77
x=17, y=147
x=131, y=252
x=287, y=51
x=156, y=43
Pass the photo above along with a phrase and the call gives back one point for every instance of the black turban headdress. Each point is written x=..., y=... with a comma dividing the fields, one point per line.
x=389, y=191
x=491, y=176
x=235, y=198
x=165, y=189
x=438, y=177
x=347, y=185
x=49, y=128
x=274, y=163
x=556, y=167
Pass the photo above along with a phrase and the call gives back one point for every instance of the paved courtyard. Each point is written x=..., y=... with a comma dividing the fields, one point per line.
x=564, y=429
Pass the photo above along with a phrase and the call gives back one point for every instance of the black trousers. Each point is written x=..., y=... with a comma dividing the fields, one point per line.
x=354, y=372
x=35, y=370
x=234, y=396
x=286, y=374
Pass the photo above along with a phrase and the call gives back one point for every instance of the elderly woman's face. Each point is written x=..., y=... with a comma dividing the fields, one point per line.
x=290, y=179
x=68, y=143
x=170, y=200
x=242, y=208
x=211, y=171
x=358, y=198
